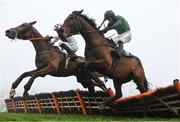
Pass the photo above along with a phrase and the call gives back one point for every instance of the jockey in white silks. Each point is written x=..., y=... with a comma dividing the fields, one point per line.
x=70, y=46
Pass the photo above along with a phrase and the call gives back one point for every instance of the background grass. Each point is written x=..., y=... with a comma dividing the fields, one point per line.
x=54, y=117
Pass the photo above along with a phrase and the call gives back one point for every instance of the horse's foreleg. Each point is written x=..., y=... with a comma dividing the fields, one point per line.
x=41, y=72
x=18, y=81
x=117, y=86
x=98, y=82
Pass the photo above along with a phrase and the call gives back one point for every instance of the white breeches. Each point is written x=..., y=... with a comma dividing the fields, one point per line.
x=124, y=37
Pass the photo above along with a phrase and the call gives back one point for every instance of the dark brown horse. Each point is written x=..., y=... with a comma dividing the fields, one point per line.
x=102, y=57
x=49, y=60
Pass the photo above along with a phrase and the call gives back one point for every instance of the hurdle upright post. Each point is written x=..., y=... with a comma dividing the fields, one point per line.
x=56, y=103
x=81, y=102
x=177, y=85
x=38, y=105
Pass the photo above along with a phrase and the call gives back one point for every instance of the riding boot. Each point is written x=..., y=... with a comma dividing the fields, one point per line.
x=120, y=49
x=70, y=52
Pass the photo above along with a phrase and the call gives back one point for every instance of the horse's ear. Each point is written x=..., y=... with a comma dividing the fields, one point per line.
x=32, y=23
x=78, y=13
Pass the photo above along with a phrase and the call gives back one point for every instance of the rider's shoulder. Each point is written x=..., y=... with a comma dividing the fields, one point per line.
x=118, y=17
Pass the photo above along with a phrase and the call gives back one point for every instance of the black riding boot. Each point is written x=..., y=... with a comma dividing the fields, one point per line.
x=70, y=52
x=120, y=50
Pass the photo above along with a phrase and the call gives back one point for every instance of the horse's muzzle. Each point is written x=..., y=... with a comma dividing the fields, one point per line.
x=10, y=34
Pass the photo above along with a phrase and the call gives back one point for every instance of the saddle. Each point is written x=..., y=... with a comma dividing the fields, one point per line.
x=120, y=53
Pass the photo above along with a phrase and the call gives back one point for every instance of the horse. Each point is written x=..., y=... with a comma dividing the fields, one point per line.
x=101, y=57
x=49, y=61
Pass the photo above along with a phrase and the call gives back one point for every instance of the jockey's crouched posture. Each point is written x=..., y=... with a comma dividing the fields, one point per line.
x=70, y=46
x=122, y=28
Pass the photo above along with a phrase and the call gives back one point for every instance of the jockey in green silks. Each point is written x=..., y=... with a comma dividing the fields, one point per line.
x=121, y=26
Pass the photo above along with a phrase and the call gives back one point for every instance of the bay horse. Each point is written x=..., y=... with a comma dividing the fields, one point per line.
x=101, y=57
x=49, y=60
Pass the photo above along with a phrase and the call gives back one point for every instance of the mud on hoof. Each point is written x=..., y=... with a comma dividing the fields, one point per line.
x=12, y=93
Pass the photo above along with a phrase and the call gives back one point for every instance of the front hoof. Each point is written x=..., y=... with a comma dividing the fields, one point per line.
x=12, y=93
x=25, y=95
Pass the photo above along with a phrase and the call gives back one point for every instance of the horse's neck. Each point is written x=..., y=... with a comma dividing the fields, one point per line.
x=92, y=38
x=40, y=45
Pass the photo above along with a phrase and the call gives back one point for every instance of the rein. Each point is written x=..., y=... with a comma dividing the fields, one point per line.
x=40, y=39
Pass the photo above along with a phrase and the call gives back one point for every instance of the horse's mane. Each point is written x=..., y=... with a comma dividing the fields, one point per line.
x=91, y=21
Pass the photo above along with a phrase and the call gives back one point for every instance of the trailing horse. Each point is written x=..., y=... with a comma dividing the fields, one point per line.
x=102, y=57
x=49, y=60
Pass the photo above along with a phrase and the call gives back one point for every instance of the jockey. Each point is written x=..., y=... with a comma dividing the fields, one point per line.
x=70, y=46
x=122, y=28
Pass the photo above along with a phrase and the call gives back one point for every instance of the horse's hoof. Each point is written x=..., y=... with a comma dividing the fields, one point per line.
x=25, y=95
x=12, y=93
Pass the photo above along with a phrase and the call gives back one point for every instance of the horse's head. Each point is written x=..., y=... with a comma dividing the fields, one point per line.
x=22, y=31
x=71, y=25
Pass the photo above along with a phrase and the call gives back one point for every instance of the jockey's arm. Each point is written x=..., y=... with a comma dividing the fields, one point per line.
x=114, y=26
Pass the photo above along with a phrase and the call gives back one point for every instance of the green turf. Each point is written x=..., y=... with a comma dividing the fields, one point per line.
x=53, y=117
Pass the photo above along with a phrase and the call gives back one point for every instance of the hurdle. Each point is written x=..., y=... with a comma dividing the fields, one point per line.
x=63, y=102
x=164, y=102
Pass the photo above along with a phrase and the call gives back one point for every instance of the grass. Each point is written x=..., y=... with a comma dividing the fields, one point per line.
x=53, y=117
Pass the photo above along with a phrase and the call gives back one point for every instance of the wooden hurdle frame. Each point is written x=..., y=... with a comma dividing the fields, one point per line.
x=162, y=102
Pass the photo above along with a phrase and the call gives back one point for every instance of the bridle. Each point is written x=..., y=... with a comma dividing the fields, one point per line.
x=19, y=35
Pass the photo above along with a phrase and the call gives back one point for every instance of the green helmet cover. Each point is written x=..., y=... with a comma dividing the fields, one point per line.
x=108, y=14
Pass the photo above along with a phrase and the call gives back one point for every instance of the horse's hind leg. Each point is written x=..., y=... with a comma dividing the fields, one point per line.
x=18, y=81
x=117, y=86
x=41, y=72
x=142, y=86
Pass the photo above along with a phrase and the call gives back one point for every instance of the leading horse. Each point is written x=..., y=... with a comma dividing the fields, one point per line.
x=102, y=57
x=49, y=60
